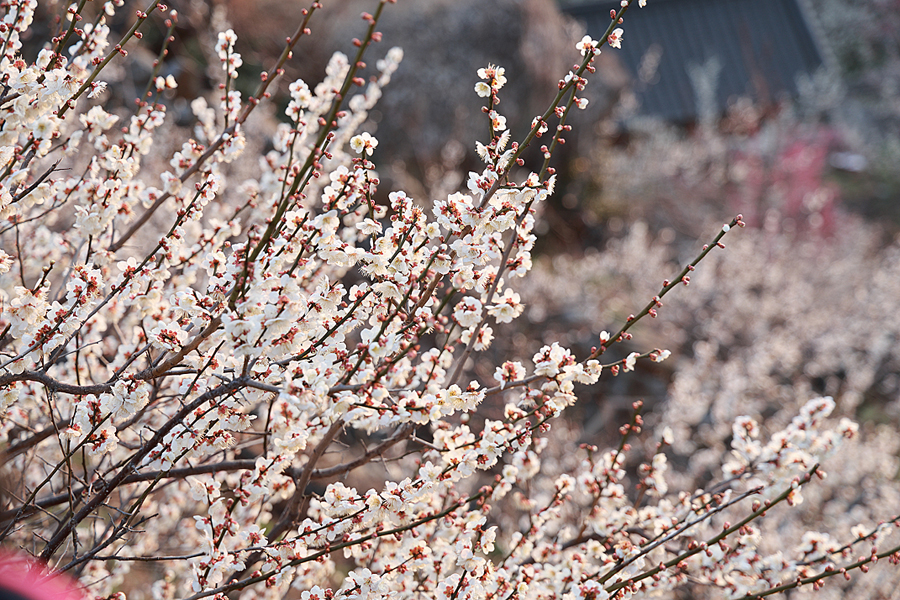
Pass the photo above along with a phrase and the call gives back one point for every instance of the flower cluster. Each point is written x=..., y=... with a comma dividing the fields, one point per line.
x=205, y=365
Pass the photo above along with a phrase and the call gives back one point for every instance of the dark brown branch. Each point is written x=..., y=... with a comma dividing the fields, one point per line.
x=37, y=182
x=188, y=348
x=220, y=467
x=34, y=440
x=682, y=277
x=863, y=561
x=292, y=512
x=69, y=524
x=402, y=433
x=54, y=385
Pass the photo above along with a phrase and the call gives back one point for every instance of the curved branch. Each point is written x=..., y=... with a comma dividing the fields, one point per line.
x=54, y=385
x=291, y=512
x=67, y=525
x=401, y=434
x=225, y=466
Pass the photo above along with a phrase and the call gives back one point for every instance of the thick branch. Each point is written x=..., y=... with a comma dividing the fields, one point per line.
x=293, y=508
x=54, y=385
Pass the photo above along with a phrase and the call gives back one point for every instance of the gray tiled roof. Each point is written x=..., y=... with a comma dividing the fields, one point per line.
x=761, y=45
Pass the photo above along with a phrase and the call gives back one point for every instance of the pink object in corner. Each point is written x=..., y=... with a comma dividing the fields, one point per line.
x=23, y=577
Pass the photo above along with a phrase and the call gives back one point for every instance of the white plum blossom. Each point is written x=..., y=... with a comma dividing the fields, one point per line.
x=508, y=372
x=169, y=336
x=630, y=361
x=615, y=38
x=587, y=45
x=660, y=356
x=507, y=307
x=494, y=75
x=363, y=143
x=468, y=312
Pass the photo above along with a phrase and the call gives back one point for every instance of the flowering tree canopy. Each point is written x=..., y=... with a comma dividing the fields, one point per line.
x=250, y=368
